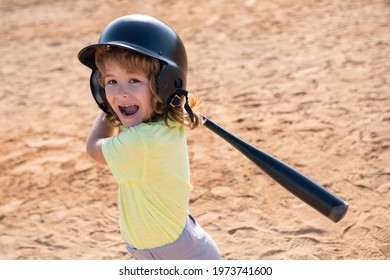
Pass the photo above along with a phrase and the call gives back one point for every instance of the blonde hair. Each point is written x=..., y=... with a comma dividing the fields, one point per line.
x=150, y=67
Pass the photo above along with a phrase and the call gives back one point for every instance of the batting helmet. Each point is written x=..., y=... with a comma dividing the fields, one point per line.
x=148, y=36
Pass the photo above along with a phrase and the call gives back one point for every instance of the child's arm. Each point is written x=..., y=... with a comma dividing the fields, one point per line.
x=101, y=129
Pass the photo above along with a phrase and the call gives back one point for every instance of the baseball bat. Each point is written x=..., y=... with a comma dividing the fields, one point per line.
x=298, y=184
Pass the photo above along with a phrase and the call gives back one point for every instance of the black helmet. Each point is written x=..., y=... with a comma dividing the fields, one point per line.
x=148, y=36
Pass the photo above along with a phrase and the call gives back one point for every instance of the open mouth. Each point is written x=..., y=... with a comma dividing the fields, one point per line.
x=128, y=110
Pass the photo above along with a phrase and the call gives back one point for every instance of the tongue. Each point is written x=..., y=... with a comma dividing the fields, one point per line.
x=131, y=110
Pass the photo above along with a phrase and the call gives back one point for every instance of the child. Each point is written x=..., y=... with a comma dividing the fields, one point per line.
x=138, y=80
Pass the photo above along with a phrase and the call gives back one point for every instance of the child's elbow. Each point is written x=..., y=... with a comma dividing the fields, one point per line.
x=88, y=149
x=95, y=152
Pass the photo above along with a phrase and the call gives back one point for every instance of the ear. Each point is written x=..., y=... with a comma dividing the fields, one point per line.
x=99, y=93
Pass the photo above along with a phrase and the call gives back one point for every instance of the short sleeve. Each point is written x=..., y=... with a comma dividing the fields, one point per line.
x=125, y=155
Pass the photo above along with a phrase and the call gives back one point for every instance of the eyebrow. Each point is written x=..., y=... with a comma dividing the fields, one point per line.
x=107, y=75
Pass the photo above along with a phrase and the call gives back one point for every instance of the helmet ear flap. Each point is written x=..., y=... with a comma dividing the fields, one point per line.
x=168, y=81
x=99, y=94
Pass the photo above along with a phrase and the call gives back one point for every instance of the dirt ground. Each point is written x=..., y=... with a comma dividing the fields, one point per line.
x=305, y=81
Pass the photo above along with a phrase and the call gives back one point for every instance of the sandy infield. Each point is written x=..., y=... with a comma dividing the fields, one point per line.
x=306, y=81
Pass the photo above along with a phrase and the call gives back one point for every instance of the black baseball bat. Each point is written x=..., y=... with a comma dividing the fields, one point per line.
x=298, y=184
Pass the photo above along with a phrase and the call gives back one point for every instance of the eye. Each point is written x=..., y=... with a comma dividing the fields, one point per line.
x=111, y=82
x=134, y=81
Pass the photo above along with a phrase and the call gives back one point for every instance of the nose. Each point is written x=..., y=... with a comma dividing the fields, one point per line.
x=122, y=90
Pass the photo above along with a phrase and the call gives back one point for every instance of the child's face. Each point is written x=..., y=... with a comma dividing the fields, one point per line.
x=128, y=94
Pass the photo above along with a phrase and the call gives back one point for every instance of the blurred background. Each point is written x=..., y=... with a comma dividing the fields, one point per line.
x=306, y=81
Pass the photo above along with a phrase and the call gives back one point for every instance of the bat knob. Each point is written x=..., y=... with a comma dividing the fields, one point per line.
x=338, y=212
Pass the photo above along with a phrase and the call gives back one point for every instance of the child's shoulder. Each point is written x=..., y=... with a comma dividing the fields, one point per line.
x=156, y=135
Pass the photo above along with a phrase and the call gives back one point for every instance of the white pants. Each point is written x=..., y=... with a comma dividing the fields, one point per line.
x=193, y=244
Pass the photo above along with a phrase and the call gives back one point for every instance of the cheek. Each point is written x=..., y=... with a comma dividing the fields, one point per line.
x=111, y=103
x=149, y=100
x=109, y=96
x=147, y=104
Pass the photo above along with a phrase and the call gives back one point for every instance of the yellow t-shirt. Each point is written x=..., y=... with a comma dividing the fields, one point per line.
x=150, y=164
